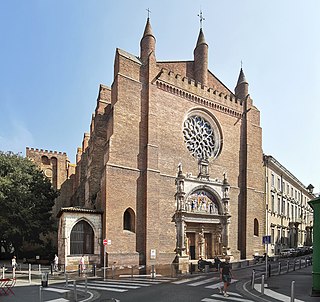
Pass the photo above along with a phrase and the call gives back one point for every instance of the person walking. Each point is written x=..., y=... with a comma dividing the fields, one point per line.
x=14, y=262
x=14, y=266
x=225, y=275
x=82, y=265
x=55, y=262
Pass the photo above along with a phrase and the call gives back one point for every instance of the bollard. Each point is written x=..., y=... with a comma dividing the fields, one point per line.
x=79, y=269
x=44, y=279
x=292, y=291
x=294, y=264
x=269, y=270
x=287, y=266
x=40, y=293
x=94, y=269
x=279, y=268
x=39, y=268
x=51, y=269
x=66, y=281
x=131, y=271
x=75, y=291
x=3, y=271
x=86, y=285
x=253, y=279
x=13, y=272
x=29, y=273
x=262, y=285
x=153, y=272
x=300, y=263
x=113, y=268
x=173, y=271
x=206, y=268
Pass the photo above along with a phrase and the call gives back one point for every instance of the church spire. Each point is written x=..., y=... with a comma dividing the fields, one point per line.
x=200, y=53
x=201, y=39
x=148, y=29
x=242, y=88
x=148, y=42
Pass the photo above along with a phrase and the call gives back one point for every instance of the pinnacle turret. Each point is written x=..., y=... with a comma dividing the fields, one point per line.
x=242, y=88
x=148, y=29
x=242, y=78
x=200, y=66
x=201, y=39
x=147, y=43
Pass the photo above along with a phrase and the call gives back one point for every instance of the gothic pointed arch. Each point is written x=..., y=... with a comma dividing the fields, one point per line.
x=82, y=238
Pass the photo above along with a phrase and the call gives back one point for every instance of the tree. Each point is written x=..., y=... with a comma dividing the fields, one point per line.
x=26, y=201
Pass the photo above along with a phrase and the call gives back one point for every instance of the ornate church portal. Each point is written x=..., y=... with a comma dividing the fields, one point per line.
x=202, y=215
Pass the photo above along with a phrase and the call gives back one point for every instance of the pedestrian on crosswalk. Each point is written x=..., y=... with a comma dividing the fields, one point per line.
x=225, y=275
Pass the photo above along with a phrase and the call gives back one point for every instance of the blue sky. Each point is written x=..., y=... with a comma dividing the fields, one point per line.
x=55, y=53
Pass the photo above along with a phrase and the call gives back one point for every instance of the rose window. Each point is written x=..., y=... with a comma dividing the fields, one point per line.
x=200, y=137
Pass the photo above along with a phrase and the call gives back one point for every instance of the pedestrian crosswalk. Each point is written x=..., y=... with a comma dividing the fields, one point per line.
x=121, y=285
x=212, y=283
x=203, y=280
x=232, y=296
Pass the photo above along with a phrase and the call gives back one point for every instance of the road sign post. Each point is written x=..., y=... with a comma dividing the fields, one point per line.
x=105, y=242
x=266, y=240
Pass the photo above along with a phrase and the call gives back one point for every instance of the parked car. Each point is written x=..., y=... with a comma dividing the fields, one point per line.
x=301, y=251
x=288, y=252
x=260, y=259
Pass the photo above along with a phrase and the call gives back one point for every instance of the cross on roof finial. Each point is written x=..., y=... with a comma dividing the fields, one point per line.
x=149, y=11
x=241, y=64
x=201, y=18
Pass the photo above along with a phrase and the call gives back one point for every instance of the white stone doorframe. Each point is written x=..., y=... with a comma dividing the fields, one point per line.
x=187, y=215
x=69, y=217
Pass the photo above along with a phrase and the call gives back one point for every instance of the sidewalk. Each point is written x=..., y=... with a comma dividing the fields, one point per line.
x=278, y=288
x=55, y=292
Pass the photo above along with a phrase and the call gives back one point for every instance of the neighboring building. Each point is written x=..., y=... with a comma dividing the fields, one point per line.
x=55, y=165
x=289, y=218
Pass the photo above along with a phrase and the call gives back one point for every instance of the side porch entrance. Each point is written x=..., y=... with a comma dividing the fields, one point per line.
x=203, y=241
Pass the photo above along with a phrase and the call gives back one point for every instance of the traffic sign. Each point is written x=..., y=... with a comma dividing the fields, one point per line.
x=266, y=239
x=105, y=241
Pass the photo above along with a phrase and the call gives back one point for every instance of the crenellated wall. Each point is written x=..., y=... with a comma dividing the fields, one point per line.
x=197, y=93
x=54, y=164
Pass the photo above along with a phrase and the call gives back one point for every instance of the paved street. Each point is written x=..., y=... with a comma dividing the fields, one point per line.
x=194, y=288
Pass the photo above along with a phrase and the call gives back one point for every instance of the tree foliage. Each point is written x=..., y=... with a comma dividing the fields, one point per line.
x=26, y=201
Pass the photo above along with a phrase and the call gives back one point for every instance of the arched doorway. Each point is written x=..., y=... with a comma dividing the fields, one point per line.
x=82, y=239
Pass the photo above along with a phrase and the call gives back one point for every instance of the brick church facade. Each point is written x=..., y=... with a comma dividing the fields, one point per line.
x=171, y=170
